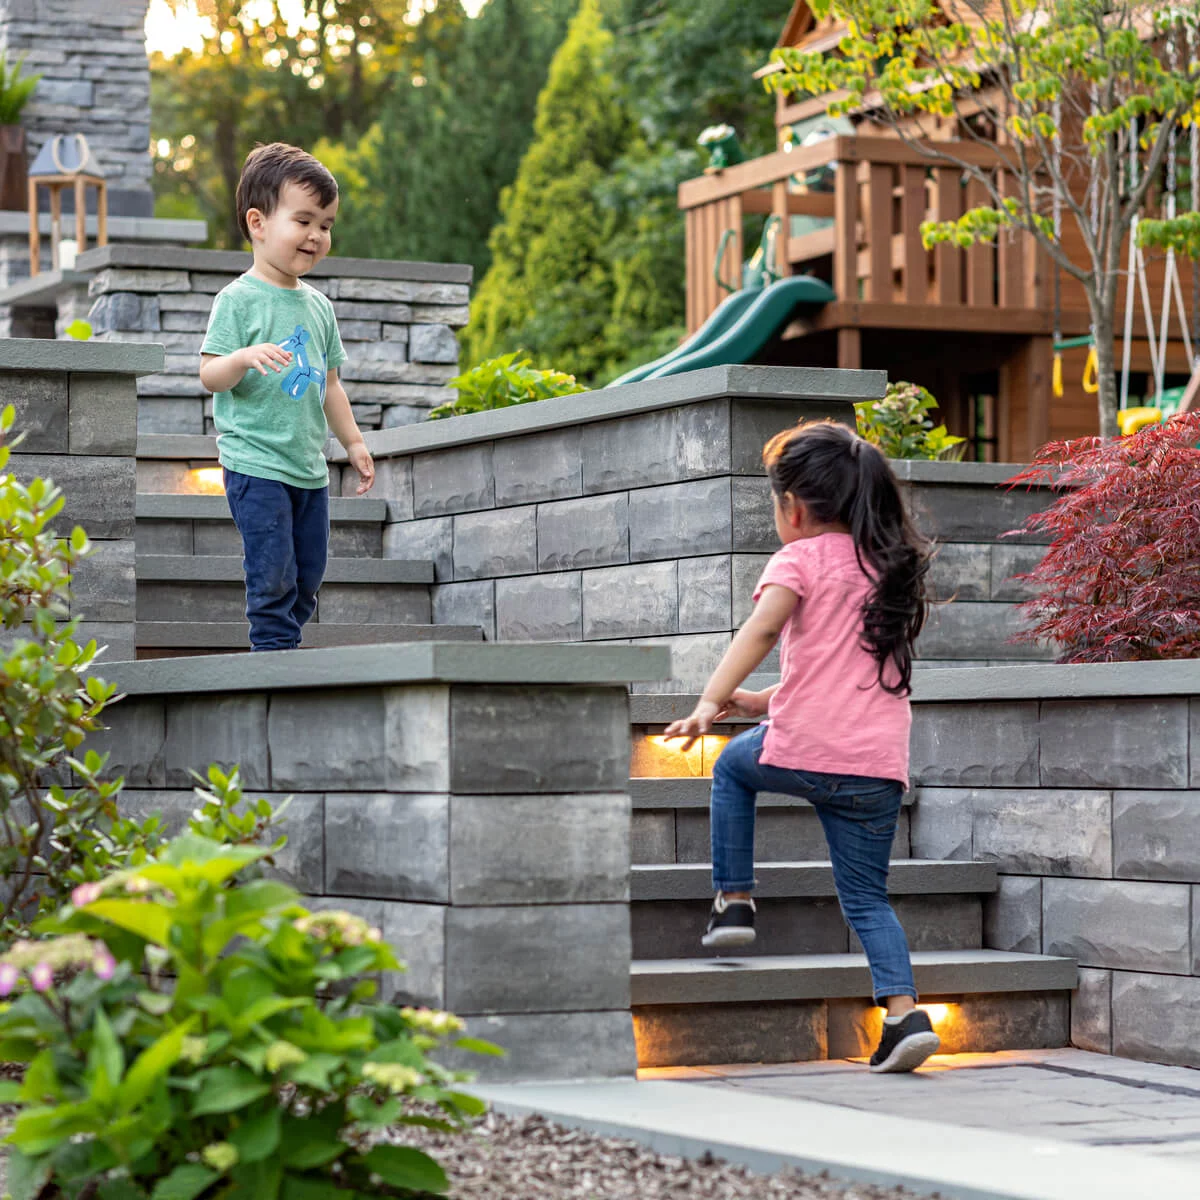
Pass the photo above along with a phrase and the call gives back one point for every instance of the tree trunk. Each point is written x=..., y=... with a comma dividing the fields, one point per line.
x=1106, y=360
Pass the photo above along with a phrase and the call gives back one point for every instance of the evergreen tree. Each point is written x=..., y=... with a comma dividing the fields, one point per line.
x=550, y=289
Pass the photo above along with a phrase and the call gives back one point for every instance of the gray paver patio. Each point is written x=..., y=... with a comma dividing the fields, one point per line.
x=1067, y=1095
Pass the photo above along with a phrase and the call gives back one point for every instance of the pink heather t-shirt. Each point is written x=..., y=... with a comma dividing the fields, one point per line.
x=830, y=712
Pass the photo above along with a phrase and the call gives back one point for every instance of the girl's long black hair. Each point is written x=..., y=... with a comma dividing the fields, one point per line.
x=840, y=477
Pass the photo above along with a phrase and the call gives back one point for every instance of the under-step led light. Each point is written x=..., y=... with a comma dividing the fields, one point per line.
x=208, y=481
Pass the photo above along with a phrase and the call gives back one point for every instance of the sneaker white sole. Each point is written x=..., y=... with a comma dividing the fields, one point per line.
x=908, y=1054
x=731, y=935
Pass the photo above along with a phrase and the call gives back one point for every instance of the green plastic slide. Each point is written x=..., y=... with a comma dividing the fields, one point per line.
x=736, y=333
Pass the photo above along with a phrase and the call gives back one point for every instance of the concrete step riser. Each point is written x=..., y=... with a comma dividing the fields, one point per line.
x=695, y=1035
x=346, y=539
x=347, y=603
x=681, y=835
x=672, y=928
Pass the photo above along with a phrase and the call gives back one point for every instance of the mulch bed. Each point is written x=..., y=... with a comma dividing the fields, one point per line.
x=530, y=1158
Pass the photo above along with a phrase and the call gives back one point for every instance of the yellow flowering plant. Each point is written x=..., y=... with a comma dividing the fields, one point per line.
x=190, y=1031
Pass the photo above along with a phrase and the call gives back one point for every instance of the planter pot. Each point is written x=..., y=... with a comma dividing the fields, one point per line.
x=14, y=166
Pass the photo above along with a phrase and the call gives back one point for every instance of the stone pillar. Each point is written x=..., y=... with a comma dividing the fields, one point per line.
x=77, y=407
x=470, y=800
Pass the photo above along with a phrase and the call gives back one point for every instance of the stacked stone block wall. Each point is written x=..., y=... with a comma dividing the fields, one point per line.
x=397, y=322
x=91, y=55
x=79, y=430
x=483, y=826
x=625, y=523
x=1090, y=806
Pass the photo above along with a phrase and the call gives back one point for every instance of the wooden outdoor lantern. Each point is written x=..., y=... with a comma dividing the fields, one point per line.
x=66, y=161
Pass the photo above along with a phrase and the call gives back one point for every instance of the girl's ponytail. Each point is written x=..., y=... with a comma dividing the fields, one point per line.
x=842, y=478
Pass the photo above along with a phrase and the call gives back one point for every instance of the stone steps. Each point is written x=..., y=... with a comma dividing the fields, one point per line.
x=791, y=1008
x=210, y=588
x=938, y=903
x=175, y=639
x=670, y=823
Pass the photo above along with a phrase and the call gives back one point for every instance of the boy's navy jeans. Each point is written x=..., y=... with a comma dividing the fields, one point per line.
x=859, y=816
x=285, y=541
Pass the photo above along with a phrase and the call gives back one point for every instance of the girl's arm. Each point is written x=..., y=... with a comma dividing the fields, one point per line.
x=752, y=643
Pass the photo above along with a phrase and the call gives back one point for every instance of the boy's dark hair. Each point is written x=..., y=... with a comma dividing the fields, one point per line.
x=842, y=478
x=268, y=168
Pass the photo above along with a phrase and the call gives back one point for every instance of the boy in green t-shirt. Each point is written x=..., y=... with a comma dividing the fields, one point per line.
x=271, y=359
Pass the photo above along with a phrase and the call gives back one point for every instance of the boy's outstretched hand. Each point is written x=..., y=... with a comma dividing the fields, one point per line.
x=361, y=460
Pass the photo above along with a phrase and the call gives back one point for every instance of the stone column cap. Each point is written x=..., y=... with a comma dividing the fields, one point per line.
x=1057, y=681
x=104, y=358
x=355, y=666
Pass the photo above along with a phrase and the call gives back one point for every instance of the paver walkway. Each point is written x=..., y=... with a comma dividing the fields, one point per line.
x=1067, y=1095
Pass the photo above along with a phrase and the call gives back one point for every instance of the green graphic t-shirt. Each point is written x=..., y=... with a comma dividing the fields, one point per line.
x=273, y=426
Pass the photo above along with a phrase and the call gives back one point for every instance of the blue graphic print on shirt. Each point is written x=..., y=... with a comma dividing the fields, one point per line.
x=303, y=374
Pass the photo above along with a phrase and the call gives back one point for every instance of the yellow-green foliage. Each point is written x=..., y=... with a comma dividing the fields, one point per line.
x=549, y=290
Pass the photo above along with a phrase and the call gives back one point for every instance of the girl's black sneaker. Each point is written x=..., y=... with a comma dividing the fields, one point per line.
x=731, y=923
x=905, y=1045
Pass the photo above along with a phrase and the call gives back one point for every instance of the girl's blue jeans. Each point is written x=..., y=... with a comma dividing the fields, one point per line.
x=859, y=816
x=285, y=542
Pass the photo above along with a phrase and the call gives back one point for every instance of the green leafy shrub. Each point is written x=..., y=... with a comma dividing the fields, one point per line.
x=502, y=382
x=15, y=90
x=47, y=707
x=899, y=426
x=189, y=1033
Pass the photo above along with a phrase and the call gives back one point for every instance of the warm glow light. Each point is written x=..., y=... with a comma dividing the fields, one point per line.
x=208, y=481
x=937, y=1012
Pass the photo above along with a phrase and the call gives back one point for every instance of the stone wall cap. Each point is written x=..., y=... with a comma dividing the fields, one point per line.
x=363, y=666
x=120, y=229
x=914, y=470
x=43, y=289
x=231, y=262
x=1057, y=681
x=820, y=384
x=99, y=358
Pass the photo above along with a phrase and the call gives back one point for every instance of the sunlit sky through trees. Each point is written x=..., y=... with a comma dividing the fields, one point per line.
x=168, y=32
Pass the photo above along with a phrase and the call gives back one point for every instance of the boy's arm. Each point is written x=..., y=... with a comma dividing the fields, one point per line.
x=345, y=428
x=221, y=372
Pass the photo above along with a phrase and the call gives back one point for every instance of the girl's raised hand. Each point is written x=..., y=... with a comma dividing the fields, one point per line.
x=698, y=723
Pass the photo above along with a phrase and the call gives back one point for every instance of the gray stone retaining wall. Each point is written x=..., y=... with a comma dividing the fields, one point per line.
x=636, y=514
x=471, y=801
x=397, y=322
x=1083, y=785
x=91, y=55
x=76, y=407
x=642, y=513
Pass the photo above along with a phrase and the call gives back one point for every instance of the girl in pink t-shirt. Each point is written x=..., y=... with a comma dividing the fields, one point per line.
x=844, y=598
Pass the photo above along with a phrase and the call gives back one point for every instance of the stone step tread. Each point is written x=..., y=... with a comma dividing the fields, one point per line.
x=184, y=506
x=694, y=791
x=177, y=445
x=907, y=877
x=231, y=635
x=840, y=976
x=227, y=568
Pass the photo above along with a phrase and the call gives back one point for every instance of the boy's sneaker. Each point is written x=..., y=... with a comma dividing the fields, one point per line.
x=905, y=1045
x=731, y=923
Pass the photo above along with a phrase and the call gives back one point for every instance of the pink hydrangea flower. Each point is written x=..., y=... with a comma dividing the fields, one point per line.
x=85, y=894
x=42, y=977
x=104, y=965
x=8, y=978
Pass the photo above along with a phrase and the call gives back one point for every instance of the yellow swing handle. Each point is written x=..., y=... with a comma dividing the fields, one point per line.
x=1057, y=377
x=1091, y=373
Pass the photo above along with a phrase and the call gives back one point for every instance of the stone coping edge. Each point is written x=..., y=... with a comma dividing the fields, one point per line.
x=99, y=358
x=1023, y=681
x=828, y=388
x=916, y=470
x=42, y=289
x=767, y=1133
x=362, y=666
x=219, y=262
x=138, y=229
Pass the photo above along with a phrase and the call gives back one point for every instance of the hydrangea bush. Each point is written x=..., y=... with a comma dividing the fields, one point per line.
x=188, y=1034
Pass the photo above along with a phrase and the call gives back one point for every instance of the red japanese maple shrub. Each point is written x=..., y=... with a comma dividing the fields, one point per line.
x=1121, y=579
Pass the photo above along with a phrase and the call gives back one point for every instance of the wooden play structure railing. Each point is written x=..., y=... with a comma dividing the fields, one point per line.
x=871, y=253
